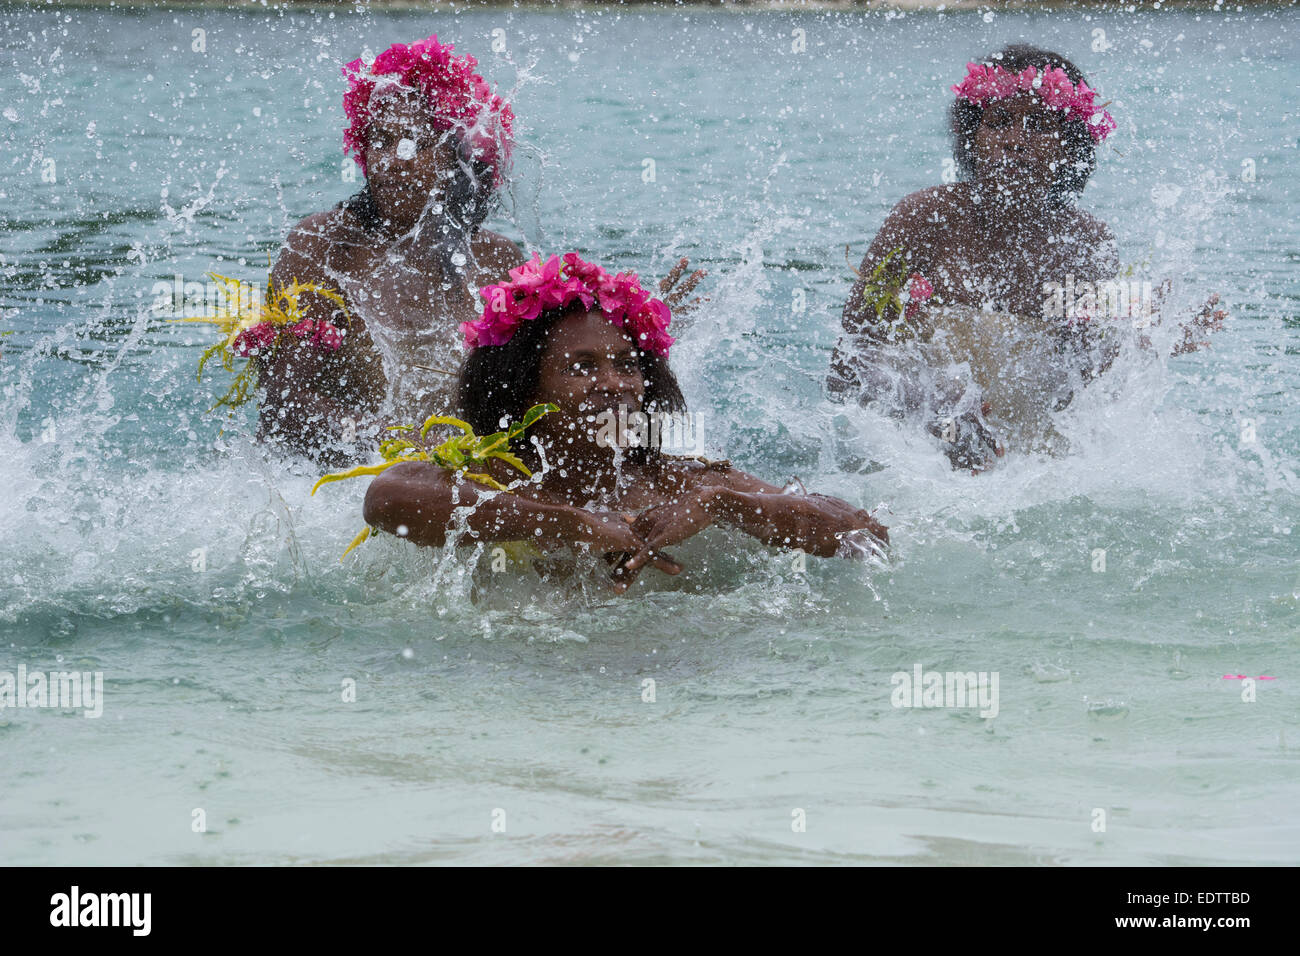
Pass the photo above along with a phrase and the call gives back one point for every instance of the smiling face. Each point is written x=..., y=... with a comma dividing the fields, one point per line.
x=410, y=164
x=588, y=366
x=1019, y=147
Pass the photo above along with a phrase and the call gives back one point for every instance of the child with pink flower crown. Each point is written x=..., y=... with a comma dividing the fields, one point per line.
x=595, y=346
x=947, y=321
x=406, y=252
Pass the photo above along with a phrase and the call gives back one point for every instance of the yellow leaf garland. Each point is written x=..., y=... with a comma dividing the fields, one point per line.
x=457, y=454
x=883, y=293
x=282, y=309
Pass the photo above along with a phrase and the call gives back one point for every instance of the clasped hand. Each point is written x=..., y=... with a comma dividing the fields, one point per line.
x=630, y=541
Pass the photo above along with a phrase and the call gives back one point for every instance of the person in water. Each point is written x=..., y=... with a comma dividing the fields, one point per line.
x=596, y=346
x=405, y=253
x=958, y=272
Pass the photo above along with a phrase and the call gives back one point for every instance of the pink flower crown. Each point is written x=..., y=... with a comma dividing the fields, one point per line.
x=537, y=286
x=1052, y=85
x=459, y=98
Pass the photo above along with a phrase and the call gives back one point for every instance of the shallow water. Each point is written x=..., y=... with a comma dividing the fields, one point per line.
x=199, y=577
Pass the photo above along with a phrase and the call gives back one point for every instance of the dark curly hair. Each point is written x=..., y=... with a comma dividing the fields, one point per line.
x=500, y=382
x=964, y=121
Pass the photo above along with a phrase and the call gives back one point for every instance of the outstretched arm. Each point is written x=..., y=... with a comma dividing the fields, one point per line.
x=419, y=501
x=812, y=523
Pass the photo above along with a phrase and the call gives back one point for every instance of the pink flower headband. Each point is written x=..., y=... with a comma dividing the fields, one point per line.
x=1053, y=86
x=459, y=98
x=537, y=286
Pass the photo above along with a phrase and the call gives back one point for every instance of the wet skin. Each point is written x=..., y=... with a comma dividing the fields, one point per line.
x=994, y=242
x=627, y=511
x=997, y=239
x=389, y=278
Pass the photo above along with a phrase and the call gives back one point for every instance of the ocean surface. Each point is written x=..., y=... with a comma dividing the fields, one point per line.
x=264, y=702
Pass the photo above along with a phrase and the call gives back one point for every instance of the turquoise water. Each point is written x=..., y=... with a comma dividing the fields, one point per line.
x=195, y=572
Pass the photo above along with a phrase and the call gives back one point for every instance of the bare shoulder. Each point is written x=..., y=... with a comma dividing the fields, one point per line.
x=916, y=219
x=954, y=197
x=327, y=227
x=307, y=246
x=495, y=254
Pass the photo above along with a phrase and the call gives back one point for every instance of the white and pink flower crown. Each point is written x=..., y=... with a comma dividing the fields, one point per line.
x=457, y=96
x=537, y=286
x=1052, y=85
